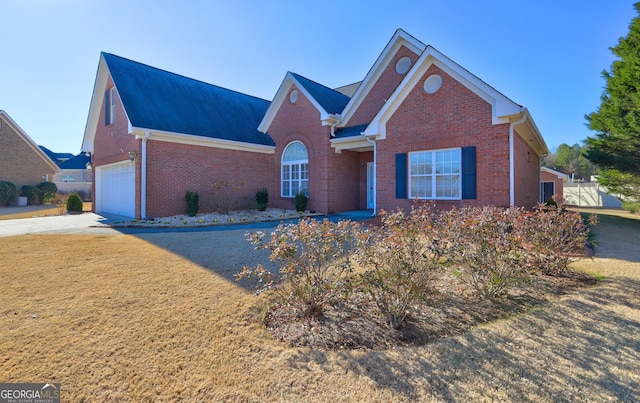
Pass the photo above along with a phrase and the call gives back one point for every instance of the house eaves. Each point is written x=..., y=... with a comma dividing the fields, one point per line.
x=201, y=141
x=560, y=175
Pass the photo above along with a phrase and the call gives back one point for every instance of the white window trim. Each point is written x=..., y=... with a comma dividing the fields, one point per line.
x=433, y=174
x=290, y=164
x=112, y=106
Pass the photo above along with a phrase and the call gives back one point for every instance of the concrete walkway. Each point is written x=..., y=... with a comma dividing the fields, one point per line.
x=91, y=223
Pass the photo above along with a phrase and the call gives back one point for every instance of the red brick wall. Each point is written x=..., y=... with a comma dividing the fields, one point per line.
x=559, y=183
x=113, y=142
x=526, y=173
x=333, y=178
x=343, y=181
x=365, y=158
x=173, y=169
x=452, y=117
x=381, y=90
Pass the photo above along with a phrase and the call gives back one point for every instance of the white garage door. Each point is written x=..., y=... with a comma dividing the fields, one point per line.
x=116, y=190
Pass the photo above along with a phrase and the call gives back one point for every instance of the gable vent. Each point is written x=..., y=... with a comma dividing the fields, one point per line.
x=403, y=65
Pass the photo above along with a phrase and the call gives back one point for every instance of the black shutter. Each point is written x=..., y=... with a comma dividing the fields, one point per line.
x=107, y=108
x=469, y=173
x=401, y=176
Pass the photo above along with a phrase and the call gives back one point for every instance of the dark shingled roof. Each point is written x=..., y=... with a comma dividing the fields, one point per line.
x=331, y=100
x=350, y=131
x=56, y=157
x=77, y=162
x=160, y=100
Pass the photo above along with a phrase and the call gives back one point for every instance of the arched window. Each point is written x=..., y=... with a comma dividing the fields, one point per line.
x=295, y=170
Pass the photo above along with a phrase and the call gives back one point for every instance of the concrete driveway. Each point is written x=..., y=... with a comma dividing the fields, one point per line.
x=91, y=223
x=85, y=223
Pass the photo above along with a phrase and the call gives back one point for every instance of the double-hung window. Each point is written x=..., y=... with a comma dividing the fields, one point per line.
x=295, y=170
x=435, y=174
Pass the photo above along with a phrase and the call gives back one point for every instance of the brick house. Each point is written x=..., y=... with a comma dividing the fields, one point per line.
x=551, y=184
x=417, y=126
x=22, y=162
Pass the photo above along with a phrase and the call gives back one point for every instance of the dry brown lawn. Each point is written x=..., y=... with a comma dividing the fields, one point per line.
x=157, y=317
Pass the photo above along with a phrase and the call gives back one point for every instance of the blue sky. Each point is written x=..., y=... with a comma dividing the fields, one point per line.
x=545, y=55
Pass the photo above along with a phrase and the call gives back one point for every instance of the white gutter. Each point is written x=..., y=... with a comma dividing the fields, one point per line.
x=336, y=120
x=143, y=177
x=512, y=177
x=375, y=172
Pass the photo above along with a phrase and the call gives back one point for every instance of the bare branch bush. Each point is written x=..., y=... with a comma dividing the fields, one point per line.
x=487, y=243
x=226, y=196
x=313, y=260
x=400, y=257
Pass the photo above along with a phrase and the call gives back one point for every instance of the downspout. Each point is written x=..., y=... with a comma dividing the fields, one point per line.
x=143, y=177
x=375, y=172
x=334, y=124
x=512, y=174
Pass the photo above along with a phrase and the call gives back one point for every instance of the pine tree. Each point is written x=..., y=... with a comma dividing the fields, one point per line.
x=616, y=146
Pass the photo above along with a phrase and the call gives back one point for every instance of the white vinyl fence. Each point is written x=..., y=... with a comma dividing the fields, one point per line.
x=589, y=195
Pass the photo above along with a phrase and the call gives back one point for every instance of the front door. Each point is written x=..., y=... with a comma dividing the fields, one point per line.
x=548, y=190
x=371, y=191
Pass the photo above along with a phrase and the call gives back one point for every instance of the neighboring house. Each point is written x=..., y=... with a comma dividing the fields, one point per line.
x=58, y=158
x=75, y=176
x=419, y=126
x=22, y=162
x=551, y=184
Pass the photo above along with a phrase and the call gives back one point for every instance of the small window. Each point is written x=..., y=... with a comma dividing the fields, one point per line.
x=112, y=106
x=295, y=170
x=435, y=174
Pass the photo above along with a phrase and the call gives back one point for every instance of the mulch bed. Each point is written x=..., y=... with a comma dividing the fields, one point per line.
x=453, y=308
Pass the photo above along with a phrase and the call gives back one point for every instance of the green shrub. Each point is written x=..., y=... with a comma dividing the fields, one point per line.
x=47, y=192
x=313, y=260
x=31, y=193
x=262, y=198
x=301, y=201
x=7, y=193
x=74, y=203
x=192, y=199
x=631, y=206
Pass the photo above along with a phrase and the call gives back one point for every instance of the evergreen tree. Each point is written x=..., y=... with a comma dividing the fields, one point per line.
x=616, y=146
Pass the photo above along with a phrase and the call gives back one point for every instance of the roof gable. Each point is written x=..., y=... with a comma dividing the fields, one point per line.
x=331, y=101
x=327, y=101
x=400, y=38
x=158, y=100
x=503, y=109
x=6, y=119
